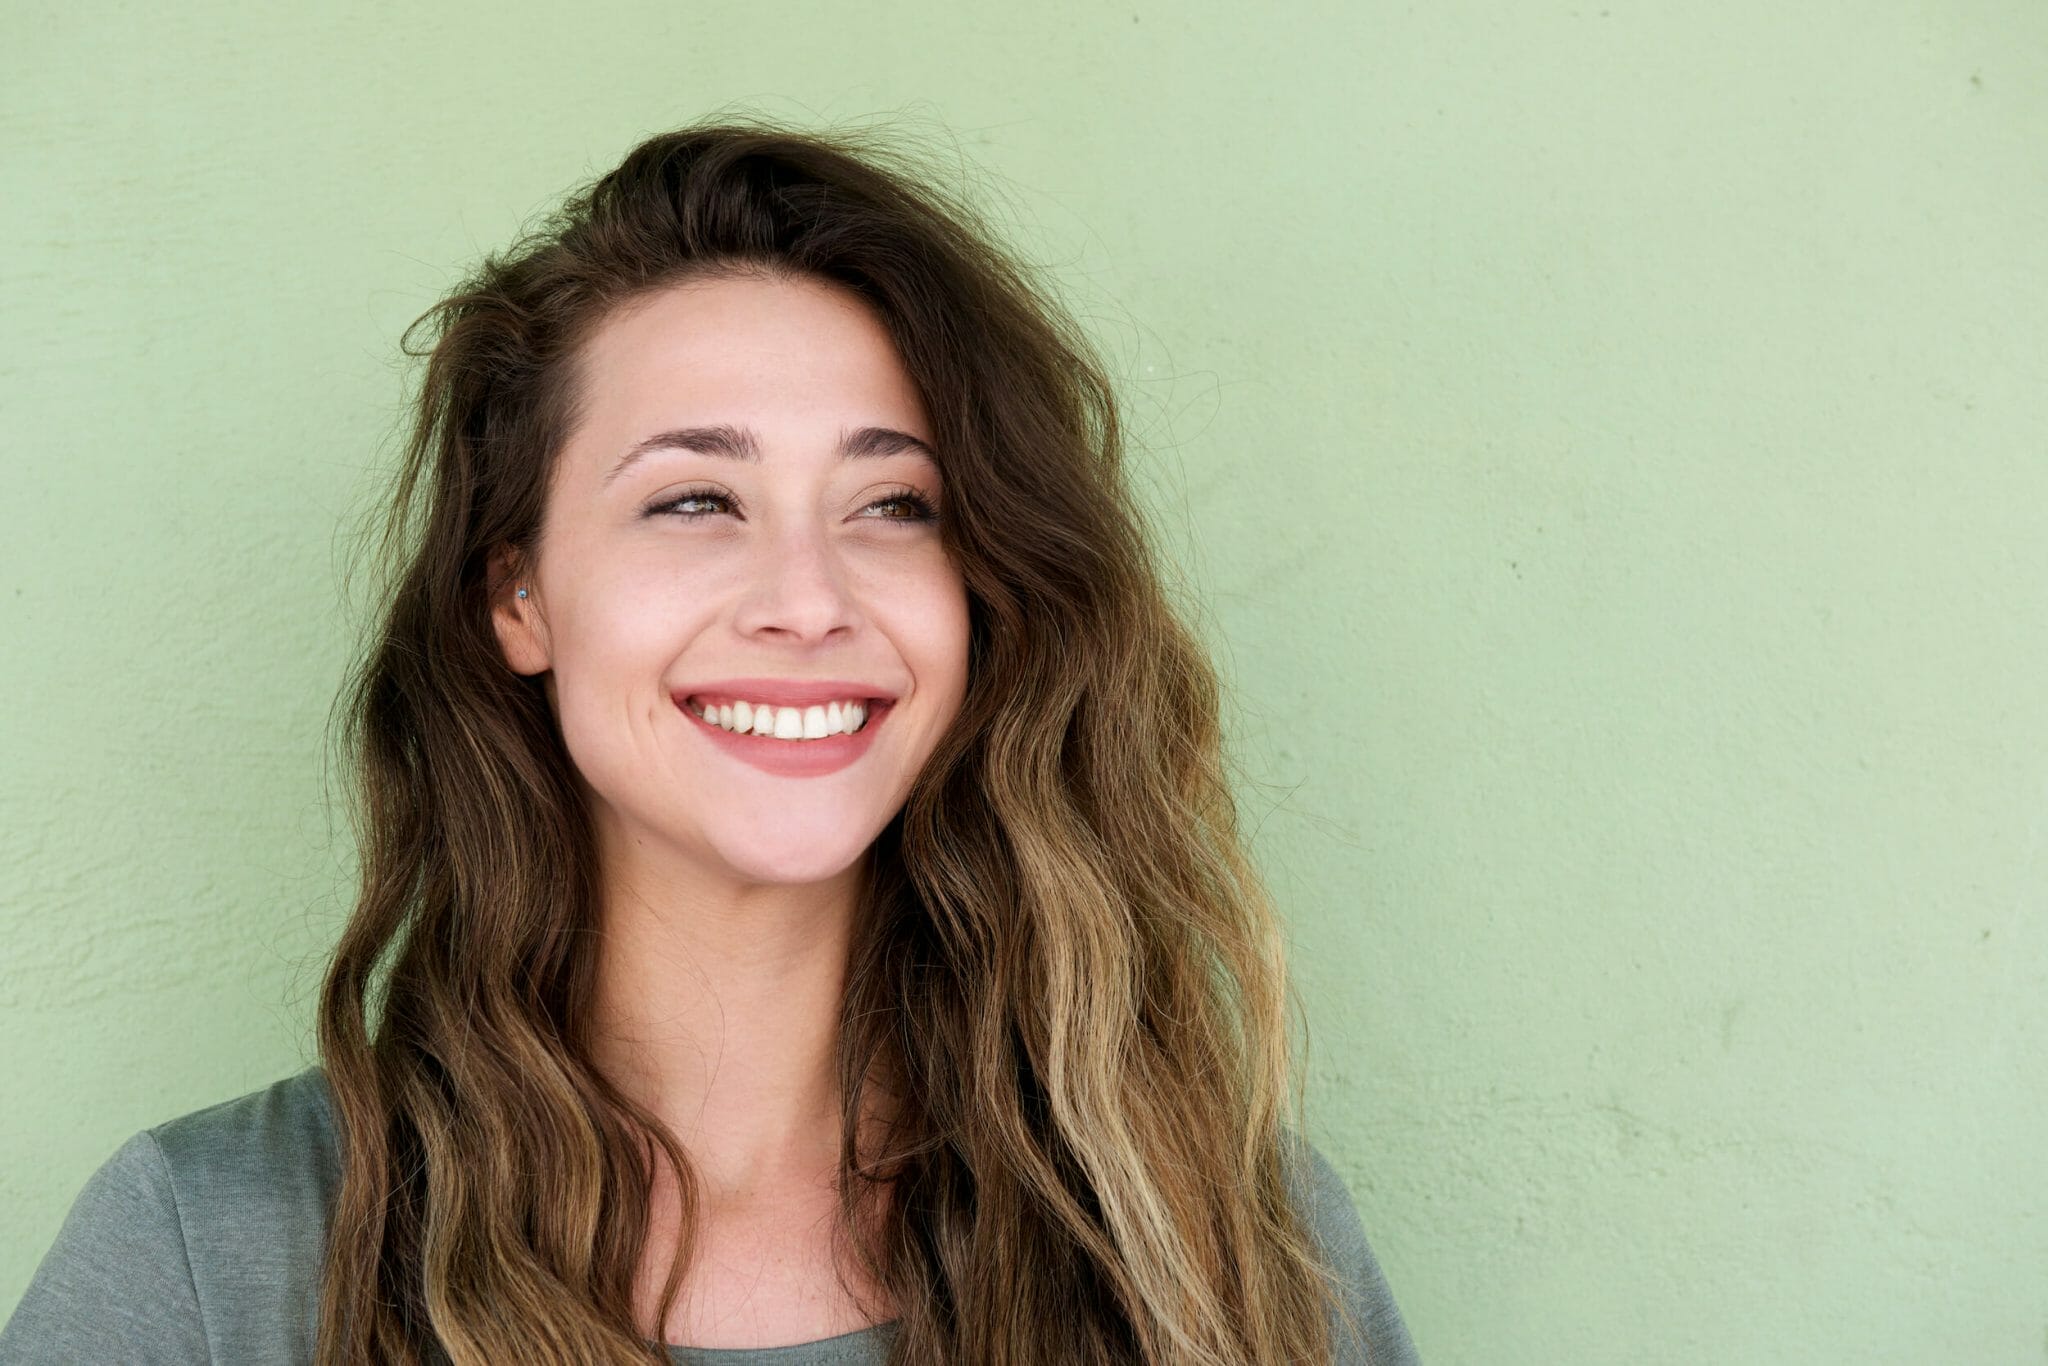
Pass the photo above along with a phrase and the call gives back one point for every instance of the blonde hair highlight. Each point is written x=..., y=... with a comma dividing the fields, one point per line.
x=1065, y=964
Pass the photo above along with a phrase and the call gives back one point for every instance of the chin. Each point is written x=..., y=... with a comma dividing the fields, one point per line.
x=794, y=866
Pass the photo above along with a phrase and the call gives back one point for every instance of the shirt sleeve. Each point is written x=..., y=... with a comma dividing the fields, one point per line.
x=1367, y=1295
x=116, y=1285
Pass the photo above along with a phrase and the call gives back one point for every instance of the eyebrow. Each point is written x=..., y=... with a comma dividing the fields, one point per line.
x=728, y=442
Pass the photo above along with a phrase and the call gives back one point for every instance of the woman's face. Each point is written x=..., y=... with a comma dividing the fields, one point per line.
x=780, y=414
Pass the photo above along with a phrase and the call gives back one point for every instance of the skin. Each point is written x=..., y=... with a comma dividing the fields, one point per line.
x=730, y=891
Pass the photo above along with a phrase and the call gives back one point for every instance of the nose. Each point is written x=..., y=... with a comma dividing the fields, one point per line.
x=799, y=587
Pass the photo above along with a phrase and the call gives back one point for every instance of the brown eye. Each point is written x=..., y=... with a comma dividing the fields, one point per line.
x=671, y=506
x=921, y=509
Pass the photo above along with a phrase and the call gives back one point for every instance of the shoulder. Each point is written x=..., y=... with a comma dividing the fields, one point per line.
x=116, y=1285
x=1326, y=1204
x=272, y=1150
x=199, y=1239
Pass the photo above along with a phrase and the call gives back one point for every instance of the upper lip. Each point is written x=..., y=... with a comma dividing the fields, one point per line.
x=789, y=692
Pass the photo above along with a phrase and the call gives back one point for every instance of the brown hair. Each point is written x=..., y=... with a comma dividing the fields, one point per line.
x=1063, y=952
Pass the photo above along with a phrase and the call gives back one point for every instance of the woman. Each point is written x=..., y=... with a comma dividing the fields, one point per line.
x=802, y=917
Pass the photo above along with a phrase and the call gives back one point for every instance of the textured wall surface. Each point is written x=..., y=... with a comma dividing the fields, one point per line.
x=1609, y=443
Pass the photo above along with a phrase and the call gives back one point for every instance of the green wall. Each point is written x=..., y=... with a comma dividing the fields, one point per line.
x=1608, y=440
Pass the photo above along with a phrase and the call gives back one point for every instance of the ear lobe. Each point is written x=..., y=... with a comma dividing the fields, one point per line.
x=521, y=631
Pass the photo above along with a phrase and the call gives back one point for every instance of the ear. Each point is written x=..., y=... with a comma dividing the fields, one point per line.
x=522, y=631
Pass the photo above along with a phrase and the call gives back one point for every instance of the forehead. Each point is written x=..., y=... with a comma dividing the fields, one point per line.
x=745, y=350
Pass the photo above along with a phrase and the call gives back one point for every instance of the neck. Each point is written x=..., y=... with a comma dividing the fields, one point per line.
x=720, y=1015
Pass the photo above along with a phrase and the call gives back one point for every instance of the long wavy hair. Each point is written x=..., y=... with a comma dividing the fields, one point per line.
x=1064, y=957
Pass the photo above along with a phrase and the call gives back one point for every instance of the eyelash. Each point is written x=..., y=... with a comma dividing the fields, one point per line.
x=921, y=505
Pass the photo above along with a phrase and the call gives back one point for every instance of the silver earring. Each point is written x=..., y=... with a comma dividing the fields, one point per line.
x=522, y=592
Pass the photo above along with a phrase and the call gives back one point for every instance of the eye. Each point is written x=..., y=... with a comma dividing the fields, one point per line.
x=921, y=508
x=670, y=508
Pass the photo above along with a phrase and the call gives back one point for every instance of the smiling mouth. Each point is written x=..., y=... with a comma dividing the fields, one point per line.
x=790, y=724
x=701, y=700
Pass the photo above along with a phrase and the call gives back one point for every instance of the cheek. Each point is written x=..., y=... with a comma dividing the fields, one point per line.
x=629, y=605
x=933, y=623
x=613, y=649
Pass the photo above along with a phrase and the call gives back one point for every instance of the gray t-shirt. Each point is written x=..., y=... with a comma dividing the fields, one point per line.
x=200, y=1240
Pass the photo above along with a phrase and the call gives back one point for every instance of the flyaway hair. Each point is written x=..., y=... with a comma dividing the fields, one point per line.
x=1065, y=969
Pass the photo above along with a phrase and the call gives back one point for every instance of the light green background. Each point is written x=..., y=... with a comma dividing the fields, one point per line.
x=1607, y=438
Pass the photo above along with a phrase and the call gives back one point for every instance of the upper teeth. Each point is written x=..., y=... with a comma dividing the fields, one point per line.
x=786, y=723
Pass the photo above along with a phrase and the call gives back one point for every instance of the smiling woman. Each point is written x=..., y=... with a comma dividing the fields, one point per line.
x=802, y=914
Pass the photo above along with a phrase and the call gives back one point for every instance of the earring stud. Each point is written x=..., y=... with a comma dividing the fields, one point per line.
x=522, y=592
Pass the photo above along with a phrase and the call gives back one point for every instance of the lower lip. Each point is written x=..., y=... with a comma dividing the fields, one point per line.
x=795, y=758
